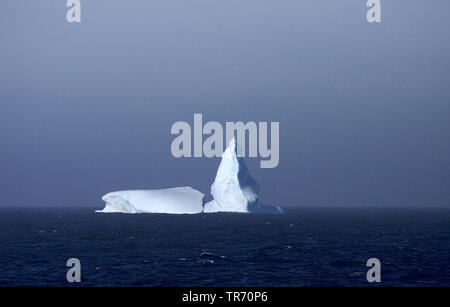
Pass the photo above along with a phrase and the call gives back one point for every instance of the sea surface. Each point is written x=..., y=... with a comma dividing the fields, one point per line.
x=304, y=247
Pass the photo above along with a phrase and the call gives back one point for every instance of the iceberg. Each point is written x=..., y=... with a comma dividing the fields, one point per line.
x=180, y=200
x=234, y=190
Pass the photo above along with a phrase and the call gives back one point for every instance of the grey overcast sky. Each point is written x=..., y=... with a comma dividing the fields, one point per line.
x=364, y=109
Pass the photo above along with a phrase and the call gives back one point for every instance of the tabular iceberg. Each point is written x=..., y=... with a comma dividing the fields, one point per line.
x=234, y=190
x=180, y=200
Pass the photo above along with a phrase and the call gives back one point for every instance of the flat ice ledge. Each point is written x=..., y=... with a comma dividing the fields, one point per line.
x=180, y=200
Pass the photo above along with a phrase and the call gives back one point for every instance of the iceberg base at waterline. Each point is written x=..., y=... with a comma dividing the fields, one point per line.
x=215, y=207
x=180, y=200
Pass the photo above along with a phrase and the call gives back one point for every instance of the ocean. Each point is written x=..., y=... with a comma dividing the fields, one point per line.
x=304, y=247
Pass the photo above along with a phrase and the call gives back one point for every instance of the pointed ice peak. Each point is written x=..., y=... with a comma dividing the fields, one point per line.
x=231, y=150
x=232, y=144
x=234, y=189
x=230, y=189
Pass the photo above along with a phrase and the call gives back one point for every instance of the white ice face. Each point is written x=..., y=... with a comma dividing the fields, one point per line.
x=234, y=190
x=181, y=200
x=226, y=189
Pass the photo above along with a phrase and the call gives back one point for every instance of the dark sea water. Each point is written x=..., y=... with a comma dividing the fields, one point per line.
x=304, y=247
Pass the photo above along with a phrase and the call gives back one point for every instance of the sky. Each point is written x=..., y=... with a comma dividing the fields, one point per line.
x=364, y=108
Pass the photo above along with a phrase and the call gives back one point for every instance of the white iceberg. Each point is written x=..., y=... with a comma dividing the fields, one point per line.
x=234, y=190
x=180, y=200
